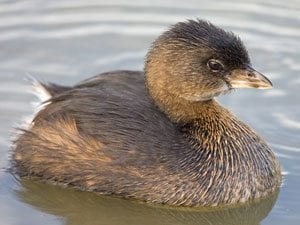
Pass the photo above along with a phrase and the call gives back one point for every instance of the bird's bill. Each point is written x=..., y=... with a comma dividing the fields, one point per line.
x=248, y=78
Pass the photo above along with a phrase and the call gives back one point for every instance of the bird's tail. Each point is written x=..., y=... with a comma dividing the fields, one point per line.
x=45, y=91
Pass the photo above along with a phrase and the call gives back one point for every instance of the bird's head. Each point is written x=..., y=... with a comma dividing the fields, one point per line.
x=196, y=61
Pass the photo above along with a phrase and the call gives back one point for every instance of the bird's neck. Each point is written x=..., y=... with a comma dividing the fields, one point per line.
x=181, y=110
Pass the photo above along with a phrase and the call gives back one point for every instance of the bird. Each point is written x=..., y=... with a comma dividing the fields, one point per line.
x=157, y=135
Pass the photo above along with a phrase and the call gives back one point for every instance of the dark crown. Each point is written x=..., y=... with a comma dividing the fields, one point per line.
x=199, y=33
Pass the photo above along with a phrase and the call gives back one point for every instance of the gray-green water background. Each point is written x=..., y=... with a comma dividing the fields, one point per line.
x=66, y=41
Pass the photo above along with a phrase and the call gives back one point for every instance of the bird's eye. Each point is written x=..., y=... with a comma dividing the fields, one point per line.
x=215, y=65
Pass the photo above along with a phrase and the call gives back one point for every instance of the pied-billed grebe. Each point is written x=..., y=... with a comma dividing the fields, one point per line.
x=167, y=141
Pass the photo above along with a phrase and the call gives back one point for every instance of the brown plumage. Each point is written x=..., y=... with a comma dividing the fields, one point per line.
x=169, y=143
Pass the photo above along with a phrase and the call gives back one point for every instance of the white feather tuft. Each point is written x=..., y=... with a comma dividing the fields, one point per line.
x=38, y=89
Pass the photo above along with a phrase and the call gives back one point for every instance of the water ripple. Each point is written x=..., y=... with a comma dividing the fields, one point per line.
x=286, y=121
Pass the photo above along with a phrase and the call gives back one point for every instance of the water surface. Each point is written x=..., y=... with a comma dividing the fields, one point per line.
x=67, y=41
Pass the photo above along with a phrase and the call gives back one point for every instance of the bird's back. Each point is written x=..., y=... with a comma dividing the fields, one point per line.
x=103, y=135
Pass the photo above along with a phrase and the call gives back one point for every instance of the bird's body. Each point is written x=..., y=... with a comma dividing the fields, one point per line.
x=110, y=135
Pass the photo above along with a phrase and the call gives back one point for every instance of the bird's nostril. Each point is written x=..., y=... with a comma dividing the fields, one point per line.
x=249, y=74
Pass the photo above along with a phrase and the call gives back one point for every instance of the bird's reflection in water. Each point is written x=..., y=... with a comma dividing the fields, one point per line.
x=78, y=208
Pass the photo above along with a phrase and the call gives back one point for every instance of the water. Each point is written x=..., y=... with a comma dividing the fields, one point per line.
x=67, y=41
